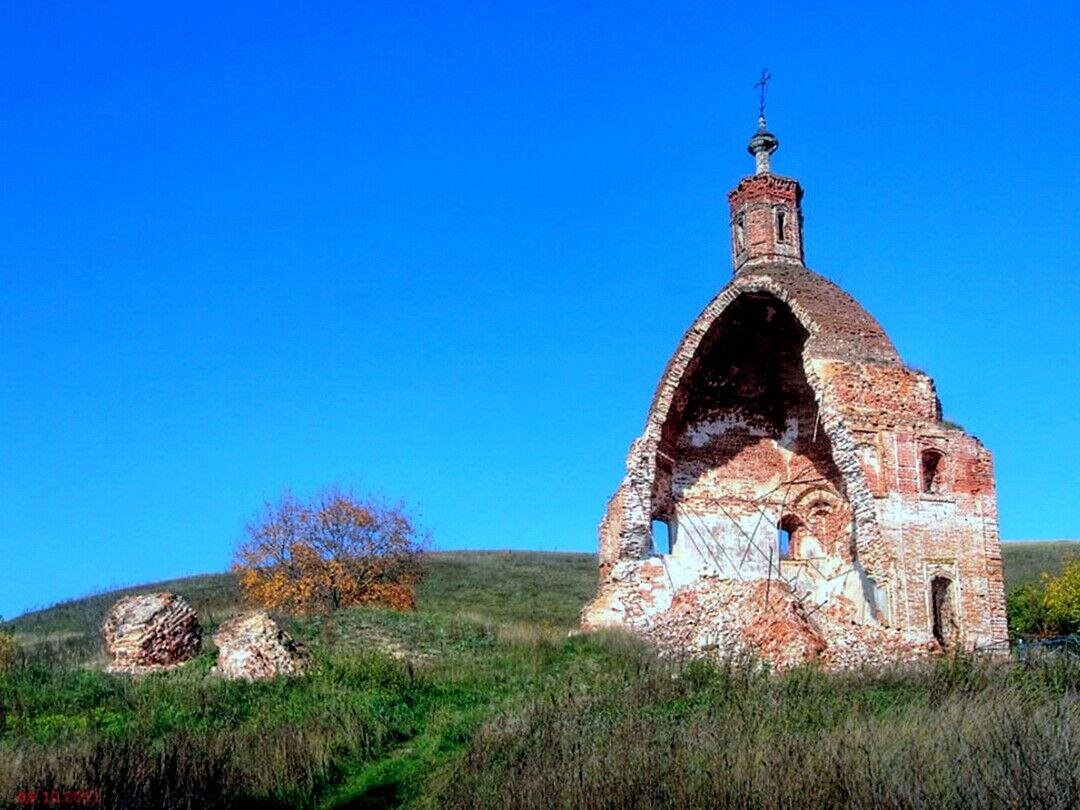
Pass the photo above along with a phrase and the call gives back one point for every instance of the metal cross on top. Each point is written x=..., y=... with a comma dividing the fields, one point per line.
x=760, y=87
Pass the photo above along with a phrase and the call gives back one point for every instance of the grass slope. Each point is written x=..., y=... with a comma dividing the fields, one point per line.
x=480, y=699
x=542, y=589
x=1026, y=561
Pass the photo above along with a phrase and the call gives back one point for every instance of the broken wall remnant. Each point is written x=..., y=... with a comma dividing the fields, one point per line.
x=816, y=505
x=151, y=632
x=251, y=647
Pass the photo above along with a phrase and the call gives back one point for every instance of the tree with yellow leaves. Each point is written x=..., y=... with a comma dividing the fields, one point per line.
x=329, y=552
x=1063, y=599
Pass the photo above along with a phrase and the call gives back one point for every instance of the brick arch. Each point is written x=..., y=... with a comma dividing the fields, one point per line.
x=837, y=328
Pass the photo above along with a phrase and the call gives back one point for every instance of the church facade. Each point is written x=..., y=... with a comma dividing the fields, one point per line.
x=795, y=493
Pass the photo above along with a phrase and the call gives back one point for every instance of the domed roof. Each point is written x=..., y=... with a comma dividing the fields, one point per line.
x=838, y=327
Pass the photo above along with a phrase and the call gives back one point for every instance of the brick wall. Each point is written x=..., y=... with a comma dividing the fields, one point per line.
x=785, y=400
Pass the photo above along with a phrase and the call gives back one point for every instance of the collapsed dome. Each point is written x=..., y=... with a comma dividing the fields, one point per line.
x=794, y=492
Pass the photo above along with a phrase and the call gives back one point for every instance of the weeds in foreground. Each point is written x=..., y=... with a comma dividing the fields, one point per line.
x=479, y=699
x=517, y=719
x=640, y=734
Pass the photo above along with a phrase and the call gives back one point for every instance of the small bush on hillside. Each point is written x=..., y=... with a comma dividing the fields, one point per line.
x=9, y=650
x=1026, y=611
x=329, y=552
x=1063, y=599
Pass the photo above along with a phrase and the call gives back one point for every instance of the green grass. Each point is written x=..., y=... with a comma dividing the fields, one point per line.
x=480, y=699
x=545, y=590
x=542, y=589
x=1027, y=561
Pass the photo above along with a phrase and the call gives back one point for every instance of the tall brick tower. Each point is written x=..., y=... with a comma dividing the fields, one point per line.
x=794, y=492
x=766, y=212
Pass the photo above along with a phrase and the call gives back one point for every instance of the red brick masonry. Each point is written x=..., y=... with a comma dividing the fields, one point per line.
x=786, y=407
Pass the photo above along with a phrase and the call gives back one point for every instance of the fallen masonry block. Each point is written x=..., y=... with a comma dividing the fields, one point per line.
x=150, y=633
x=251, y=647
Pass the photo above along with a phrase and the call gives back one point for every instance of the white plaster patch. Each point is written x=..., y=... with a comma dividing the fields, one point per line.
x=700, y=433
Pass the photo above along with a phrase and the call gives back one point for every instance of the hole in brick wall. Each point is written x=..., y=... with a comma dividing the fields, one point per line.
x=787, y=537
x=661, y=537
x=740, y=235
x=781, y=223
x=930, y=463
x=742, y=421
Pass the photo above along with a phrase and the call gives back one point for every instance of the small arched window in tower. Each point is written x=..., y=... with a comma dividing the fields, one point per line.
x=930, y=467
x=781, y=225
x=740, y=234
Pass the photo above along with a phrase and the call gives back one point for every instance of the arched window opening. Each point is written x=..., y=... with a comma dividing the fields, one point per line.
x=943, y=618
x=662, y=539
x=930, y=466
x=781, y=223
x=786, y=532
x=740, y=234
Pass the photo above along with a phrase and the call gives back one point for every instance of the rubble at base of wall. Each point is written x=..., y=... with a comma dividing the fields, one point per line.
x=724, y=619
x=730, y=618
x=151, y=633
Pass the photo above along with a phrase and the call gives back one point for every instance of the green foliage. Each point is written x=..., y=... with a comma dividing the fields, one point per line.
x=1063, y=599
x=479, y=699
x=1025, y=607
x=1052, y=609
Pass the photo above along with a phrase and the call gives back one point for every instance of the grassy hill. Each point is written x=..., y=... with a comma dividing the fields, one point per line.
x=546, y=590
x=481, y=699
x=1027, y=560
x=539, y=588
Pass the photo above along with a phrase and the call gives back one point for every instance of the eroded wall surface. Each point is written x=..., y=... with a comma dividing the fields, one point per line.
x=817, y=506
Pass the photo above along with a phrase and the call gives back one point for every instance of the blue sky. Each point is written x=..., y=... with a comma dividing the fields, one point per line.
x=443, y=251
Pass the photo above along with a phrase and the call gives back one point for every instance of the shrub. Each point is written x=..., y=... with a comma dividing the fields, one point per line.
x=1063, y=599
x=1026, y=611
x=332, y=551
x=9, y=650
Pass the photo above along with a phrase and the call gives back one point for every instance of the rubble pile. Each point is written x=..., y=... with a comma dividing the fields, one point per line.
x=252, y=646
x=853, y=645
x=722, y=618
x=151, y=632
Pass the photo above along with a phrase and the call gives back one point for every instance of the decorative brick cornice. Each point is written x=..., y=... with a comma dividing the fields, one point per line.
x=761, y=184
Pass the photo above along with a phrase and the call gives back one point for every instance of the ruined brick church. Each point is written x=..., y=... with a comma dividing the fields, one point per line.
x=795, y=493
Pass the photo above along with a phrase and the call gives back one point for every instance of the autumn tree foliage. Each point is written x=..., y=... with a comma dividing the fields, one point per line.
x=1052, y=609
x=328, y=552
x=1063, y=599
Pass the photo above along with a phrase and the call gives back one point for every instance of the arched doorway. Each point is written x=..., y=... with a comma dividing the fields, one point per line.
x=943, y=614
